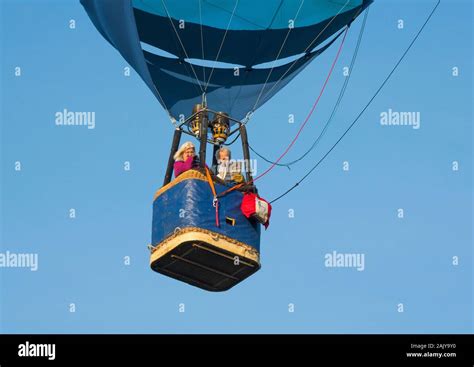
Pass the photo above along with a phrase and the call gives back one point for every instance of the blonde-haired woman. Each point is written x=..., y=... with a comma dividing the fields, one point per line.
x=185, y=158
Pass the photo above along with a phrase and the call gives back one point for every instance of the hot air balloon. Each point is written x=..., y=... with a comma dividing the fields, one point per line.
x=211, y=64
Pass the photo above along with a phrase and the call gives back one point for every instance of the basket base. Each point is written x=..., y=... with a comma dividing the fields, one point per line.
x=206, y=265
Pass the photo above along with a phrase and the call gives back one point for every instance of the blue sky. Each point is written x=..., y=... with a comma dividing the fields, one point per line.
x=408, y=261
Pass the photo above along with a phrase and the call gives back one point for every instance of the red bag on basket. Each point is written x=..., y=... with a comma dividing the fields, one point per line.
x=256, y=207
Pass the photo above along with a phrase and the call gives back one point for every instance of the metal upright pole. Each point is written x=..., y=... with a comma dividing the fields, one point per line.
x=246, y=151
x=202, y=147
x=174, y=149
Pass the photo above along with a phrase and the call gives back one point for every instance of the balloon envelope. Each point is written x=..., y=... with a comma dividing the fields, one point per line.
x=239, y=53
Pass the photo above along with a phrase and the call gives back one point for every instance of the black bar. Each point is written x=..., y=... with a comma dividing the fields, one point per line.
x=222, y=255
x=381, y=349
x=174, y=149
x=204, y=267
x=246, y=151
x=203, y=145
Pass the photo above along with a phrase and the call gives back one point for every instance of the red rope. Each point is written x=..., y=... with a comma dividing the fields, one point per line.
x=310, y=113
x=301, y=127
x=217, y=213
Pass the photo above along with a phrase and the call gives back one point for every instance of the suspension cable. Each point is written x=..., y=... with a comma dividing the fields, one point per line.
x=182, y=45
x=311, y=111
x=335, y=108
x=278, y=55
x=366, y=106
x=257, y=49
x=222, y=44
x=202, y=41
x=295, y=61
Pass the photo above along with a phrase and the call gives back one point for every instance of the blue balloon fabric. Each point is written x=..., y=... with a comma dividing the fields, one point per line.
x=238, y=54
